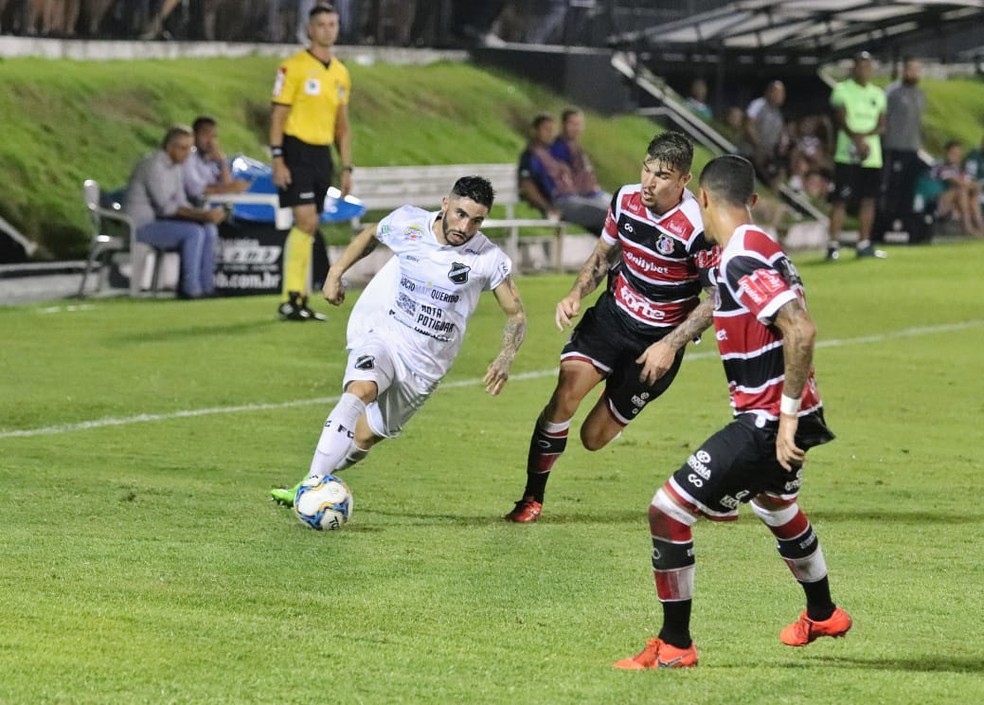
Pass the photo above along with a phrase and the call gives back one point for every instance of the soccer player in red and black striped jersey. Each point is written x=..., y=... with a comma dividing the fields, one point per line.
x=635, y=334
x=766, y=338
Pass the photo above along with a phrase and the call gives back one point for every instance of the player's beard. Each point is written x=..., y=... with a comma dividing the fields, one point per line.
x=446, y=230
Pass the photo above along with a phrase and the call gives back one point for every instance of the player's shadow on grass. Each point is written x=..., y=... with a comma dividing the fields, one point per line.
x=930, y=663
x=197, y=332
x=903, y=517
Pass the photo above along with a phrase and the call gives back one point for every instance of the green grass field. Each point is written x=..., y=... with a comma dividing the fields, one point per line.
x=141, y=562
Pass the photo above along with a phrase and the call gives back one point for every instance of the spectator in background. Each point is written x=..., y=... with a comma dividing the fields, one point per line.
x=548, y=184
x=472, y=21
x=94, y=11
x=697, y=100
x=810, y=163
x=304, y=8
x=733, y=128
x=163, y=217
x=540, y=173
x=957, y=195
x=568, y=149
x=859, y=114
x=206, y=170
x=974, y=165
x=905, y=105
x=765, y=134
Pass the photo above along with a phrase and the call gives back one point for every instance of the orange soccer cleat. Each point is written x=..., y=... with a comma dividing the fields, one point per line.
x=527, y=510
x=659, y=654
x=804, y=630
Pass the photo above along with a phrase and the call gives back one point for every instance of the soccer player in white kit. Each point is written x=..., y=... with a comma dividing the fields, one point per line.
x=407, y=327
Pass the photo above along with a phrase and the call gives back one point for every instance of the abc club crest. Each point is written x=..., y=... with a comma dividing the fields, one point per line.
x=664, y=245
x=459, y=272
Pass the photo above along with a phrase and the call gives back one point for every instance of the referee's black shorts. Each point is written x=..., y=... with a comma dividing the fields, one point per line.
x=311, y=172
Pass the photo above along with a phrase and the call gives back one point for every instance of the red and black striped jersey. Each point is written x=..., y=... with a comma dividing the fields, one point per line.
x=755, y=279
x=665, y=261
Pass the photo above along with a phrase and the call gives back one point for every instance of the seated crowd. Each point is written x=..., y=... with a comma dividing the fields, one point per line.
x=800, y=154
x=165, y=198
x=557, y=177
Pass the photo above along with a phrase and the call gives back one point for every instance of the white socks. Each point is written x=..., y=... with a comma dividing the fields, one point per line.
x=335, y=446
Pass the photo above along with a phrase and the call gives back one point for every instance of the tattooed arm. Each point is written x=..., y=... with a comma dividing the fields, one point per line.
x=512, y=336
x=798, y=336
x=361, y=245
x=593, y=272
x=658, y=358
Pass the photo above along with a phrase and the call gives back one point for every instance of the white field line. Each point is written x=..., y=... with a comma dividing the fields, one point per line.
x=475, y=382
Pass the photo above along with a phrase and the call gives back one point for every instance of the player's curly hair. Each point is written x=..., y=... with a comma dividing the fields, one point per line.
x=477, y=188
x=673, y=149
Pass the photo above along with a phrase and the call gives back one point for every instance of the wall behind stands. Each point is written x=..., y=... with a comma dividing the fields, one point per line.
x=585, y=76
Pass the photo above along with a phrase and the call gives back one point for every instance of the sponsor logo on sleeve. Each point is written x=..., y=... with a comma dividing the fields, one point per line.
x=706, y=259
x=762, y=285
x=677, y=224
x=278, y=84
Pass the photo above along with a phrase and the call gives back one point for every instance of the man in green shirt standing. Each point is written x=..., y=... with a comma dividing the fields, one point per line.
x=859, y=114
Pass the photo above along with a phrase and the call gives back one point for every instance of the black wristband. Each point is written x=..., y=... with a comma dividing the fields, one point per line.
x=276, y=151
x=349, y=168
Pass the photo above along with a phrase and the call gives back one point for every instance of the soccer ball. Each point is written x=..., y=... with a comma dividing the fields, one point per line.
x=323, y=503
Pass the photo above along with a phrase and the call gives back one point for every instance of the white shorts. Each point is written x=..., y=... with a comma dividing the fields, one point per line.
x=401, y=391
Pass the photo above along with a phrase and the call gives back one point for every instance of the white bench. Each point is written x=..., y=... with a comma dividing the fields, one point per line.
x=388, y=187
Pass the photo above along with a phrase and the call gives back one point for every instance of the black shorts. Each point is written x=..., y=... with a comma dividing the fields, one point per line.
x=739, y=462
x=602, y=339
x=853, y=182
x=311, y=170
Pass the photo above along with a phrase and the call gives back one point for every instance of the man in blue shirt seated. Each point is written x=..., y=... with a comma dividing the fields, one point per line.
x=158, y=205
x=550, y=184
x=206, y=170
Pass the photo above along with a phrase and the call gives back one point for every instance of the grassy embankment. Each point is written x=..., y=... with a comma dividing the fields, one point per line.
x=65, y=121
x=68, y=121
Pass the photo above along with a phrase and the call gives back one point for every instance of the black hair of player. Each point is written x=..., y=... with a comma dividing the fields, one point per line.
x=322, y=8
x=730, y=178
x=542, y=118
x=477, y=188
x=673, y=149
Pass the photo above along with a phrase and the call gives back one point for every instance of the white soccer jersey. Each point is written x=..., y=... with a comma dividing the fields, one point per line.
x=422, y=299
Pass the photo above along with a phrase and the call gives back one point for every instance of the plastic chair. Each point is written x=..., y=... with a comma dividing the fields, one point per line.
x=104, y=244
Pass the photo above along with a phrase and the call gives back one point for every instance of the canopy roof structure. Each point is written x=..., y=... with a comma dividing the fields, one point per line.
x=813, y=31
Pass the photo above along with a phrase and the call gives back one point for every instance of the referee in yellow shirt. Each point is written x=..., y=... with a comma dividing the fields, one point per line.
x=310, y=114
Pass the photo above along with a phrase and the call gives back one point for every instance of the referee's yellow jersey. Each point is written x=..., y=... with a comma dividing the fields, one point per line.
x=313, y=92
